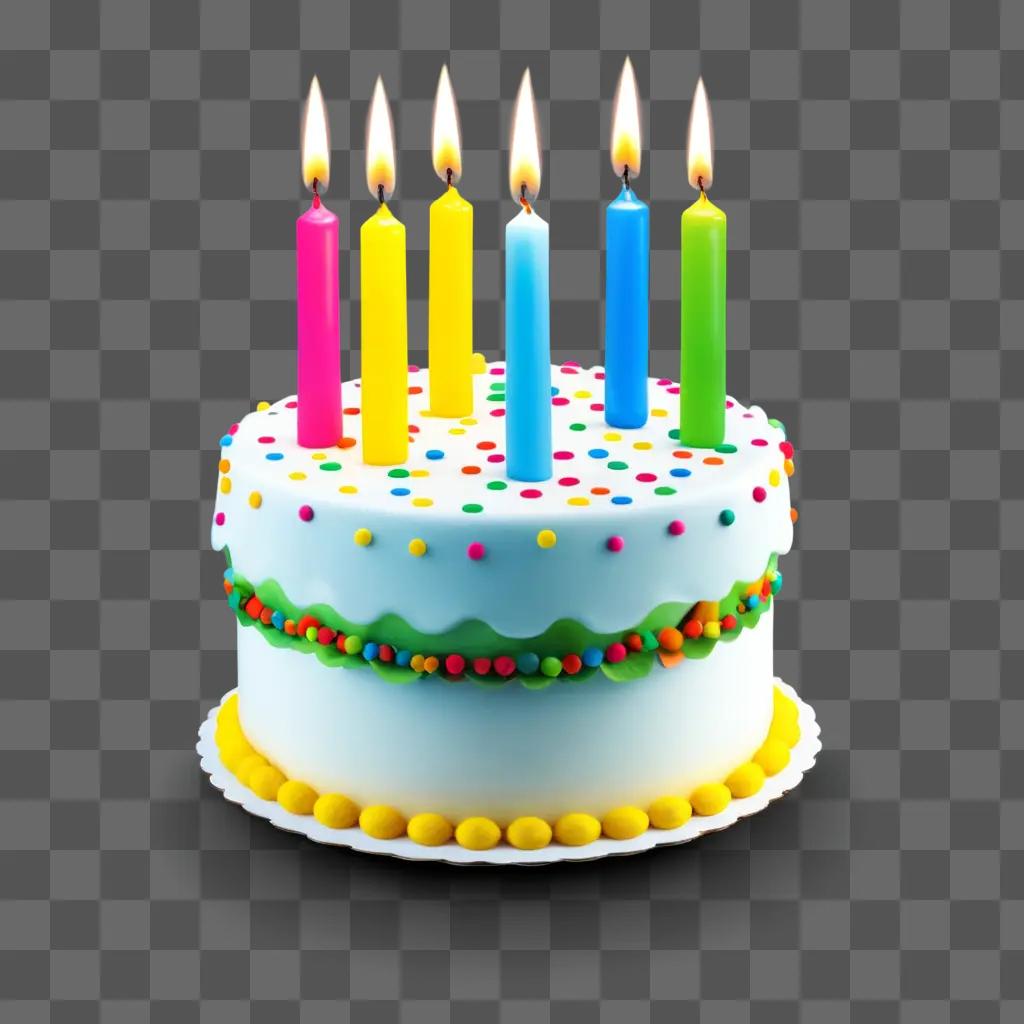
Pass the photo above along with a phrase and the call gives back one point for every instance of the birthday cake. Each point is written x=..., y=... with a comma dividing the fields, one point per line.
x=437, y=652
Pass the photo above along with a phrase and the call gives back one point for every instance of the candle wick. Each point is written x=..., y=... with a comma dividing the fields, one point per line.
x=449, y=177
x=523, y=200
x=316, y=193
x=700, y=183
x=625, y=175
x=380, y=194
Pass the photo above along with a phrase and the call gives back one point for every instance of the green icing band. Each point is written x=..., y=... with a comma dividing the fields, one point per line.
x=476, y=639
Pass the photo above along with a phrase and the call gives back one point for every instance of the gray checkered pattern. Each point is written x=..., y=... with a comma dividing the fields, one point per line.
x=871, y=160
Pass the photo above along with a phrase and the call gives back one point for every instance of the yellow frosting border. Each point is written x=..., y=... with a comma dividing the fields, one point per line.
x=381, y=821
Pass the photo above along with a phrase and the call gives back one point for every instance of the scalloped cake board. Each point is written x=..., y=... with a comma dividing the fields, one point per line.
x=801, y=760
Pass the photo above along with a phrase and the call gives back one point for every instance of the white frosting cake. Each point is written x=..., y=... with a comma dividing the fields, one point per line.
x=513, y=613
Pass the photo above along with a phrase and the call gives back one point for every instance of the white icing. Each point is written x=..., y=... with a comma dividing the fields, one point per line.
x=518, y=588
x=459, y=749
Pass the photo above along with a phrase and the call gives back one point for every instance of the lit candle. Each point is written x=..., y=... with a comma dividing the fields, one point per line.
x=450, y=306
x=627, y=270
x=384, y=345
x=318, y=339
x=527, y=306
x=702, y=323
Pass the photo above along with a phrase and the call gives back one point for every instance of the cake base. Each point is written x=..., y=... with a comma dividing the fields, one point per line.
x=802, y=758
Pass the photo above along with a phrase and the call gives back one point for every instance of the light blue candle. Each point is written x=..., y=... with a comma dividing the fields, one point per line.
x=627, y=269
x=527, y=347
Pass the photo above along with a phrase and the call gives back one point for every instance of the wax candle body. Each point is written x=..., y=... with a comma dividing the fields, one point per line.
x=319, y=338
x=450, y=309
x=702, y=326
x=385, y=346
x=627, y=271
x=527, y=348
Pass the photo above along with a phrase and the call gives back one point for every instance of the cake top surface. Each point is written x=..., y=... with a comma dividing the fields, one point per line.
x=456, y=467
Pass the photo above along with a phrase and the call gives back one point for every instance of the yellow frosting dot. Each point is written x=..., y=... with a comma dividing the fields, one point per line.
x=225, y=485
x=297, y=475
x=582, y=394
x=642, y=446
x=477, y=834
x=478, y=362
x=423, y=502
x=659, y=412
x=417, y=547
x=429, y=829
x=577, y=829
x=416, y=662
x=335, y=810
x=348, y=489
x=612, y=436
x=362, y=536
x=774, y=478
x=528, y=833
x=419, y=472
x=247, y=766
x=456, y=431
x=712, y=630
x=234, y=752
x=669, y=812
x=772, y=756
x=224, y=465
x=624, y=823
x=382, y=822
x=262, y=406
x=578, y=501
x=468, y=421
x=230, y=708
x=783, y=709
x=266, y=781
x=711, y=798
x=788, y=732
x=255, y=499
x=746, y=780
x=297, y=797
x=547, y=539
x=318, y=456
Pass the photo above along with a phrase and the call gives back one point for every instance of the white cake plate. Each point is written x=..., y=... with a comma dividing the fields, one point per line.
x=801, y=759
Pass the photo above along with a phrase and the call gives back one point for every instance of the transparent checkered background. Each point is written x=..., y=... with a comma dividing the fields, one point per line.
x=871, y=159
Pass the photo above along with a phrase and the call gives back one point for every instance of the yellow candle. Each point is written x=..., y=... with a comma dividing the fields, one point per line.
x=450, y=308
x=384, y=345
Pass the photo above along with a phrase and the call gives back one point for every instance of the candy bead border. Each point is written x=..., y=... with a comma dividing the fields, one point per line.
x=802, y=758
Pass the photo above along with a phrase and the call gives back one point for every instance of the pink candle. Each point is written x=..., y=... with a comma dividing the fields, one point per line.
x=316, y=265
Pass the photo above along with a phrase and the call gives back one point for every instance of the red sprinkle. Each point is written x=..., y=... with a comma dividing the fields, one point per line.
x=635, y=642
x=504, y=665
x=568, y=481
x=339, y=642
x=615, y=653
x=454, y=664
x=495, y=458
x=233, y=429
x=219, y=518
x=677, y=527
x=486, y=446
x=481, y=666
x=305, y=622
x=386, y=652
x=615, y=544
x=597, y=406
x=559, y=400
x=571, y=664
x=497, y=412
x=759, y=442
x=693, y=629
x=265, y=615
x=253, y=607
x=305, y=513
x=786, y=448
x=417, y=390
x=291, y=405
x=646, y=478
x=729, y=622
x=476, y=551
x=562, y=456
x=325, y=635
x=530, y=492
x=267, y=439
x=760, y=494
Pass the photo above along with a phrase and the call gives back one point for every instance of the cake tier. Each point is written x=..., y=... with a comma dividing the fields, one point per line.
x=629, y=521
x=460, y=749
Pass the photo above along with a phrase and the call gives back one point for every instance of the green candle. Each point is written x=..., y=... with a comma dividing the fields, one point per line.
x=702, y=288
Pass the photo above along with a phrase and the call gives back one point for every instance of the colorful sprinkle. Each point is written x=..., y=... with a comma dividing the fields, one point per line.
x=266, y=439
x=434, y=454
x=622, y=499
x=547, y=539
x=363, y=537
x=530, y=492
x=497, y=485
x=664, y=491
x=615, y=543
x=306, y=513
x=568, y=481
x=422, y=502
x=219, y=518
x=727, y=517
x=759, y=494
x=330, y=467
x=563, y=456
x=476, y=551
x=472, y=507
x=680, y=471
x=400, y=492
x=677, y=527
x=225, y=441
x=598, y=453
x=274, y=456
x=646, y=478
x=255, y=499
x=417, y=547
x=618, y=465
x=578, y=501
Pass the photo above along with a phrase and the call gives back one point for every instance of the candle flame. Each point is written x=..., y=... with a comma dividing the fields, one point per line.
x=380, y=145
x=626, y=124
x=524, y=154
x=700, y=148
x=447, y=139
x=316, y=146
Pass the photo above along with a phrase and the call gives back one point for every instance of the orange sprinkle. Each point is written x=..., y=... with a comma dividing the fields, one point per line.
x=681, y=453
x=351, y=411
x=793, y=515
x=471, y=470
x=346, y=442
x=713, y=460
x=224, y=465
x=416, y=390
x=599, y=490
x=788, y=467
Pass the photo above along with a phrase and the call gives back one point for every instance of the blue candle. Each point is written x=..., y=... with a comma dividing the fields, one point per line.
x=527, y=348
x=627, y=263
x=527, y=306
x=627, y=269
